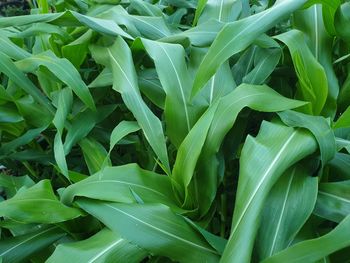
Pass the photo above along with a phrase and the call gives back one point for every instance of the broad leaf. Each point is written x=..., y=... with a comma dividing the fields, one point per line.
x=125, y=81
x=333, y=201
x=105, y=246
x=23, y=207
x=316, y=249
x=244, y=32
x=280, y=221
x=19, y=248
x=115, y=184
x=276, y=148
x=163, y=232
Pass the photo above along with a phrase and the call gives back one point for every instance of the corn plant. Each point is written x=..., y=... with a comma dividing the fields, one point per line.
x=175, y=131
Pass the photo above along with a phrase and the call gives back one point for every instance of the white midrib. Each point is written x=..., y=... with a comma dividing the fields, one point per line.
x=26, y=240
x=132, y=86
x=181, y=89
x=161, y=230
x=220, y=12
x=105, y=251
x=268, y=170
x=281, y=214
x=212, y=89
x=335, y=196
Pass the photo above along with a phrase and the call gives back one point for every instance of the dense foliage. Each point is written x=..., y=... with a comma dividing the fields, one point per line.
x=173, y=130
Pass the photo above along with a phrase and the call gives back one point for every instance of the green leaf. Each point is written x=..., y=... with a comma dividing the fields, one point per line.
x=65, y=101
x=265, y=61
x=13, y=184
x=318, y=126
x=27, y=137
x=105, y=246
x=316, y=249
x=23, y=207
x=201, y=35
x=189, y=152
x=276, y=148
x=340, y=167
x=333, y=201
x=280, y=221
x=200, y=7
x=76, y=51
x=63, y=70
x=223, y=11
x=11, y=49
x=175, y=79
x=9, y=114
x=95, y=154
x=344, y=120
x=125, y=81
x=10, y=69
x=68, y=18
x=145, y=8
x=261, y=98
x=163, y=232
x=19, y=248
x=123, y=129
x=311, y=22
x=244, y=32
x=312, y=78
x=114, y=184
x=341, y=20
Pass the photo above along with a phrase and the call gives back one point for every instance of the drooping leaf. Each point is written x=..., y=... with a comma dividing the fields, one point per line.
x=105, y=246
x=311, y=22
x=125, y=82
x=260, y=98
x=189, y=152
x=316, y=249
x=245, y=31
x=170, y=61
x=13, y=184
x=10, y=69
x=273, y=155
x=68, y=18
x=19, y=248
x=114, y=184
x=121, y=130
x=318, y=126
x=286, y=211
x=176, y=240
x=333, y=201
x=63, y=70
x=37, y=204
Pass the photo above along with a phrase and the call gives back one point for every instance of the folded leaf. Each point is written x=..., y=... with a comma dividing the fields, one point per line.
x=19, y=248
x=237, y=36
x=333, y=201
x=163, y=232
x=286, y=210
x=316, y=249
x=104, y=247
x=276, y=148
x=37, y=204
x=114, y=184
